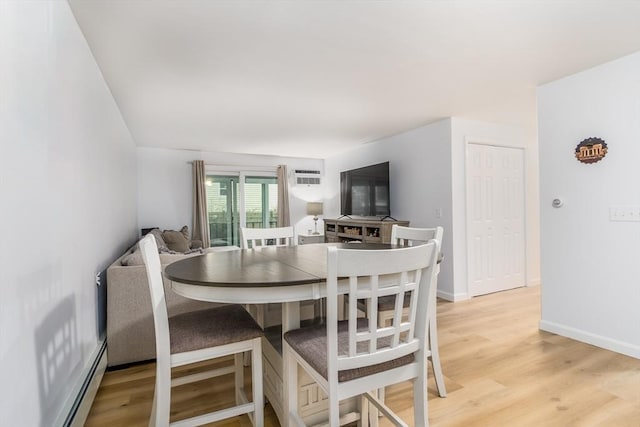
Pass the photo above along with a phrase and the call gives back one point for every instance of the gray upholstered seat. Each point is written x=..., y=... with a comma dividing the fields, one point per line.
x=311, y=344
x=211, y=328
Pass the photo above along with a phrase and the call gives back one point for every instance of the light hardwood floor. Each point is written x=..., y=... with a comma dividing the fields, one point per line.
x=500, y=370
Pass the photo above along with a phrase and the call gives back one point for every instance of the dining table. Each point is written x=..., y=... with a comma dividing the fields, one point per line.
x=271, y=274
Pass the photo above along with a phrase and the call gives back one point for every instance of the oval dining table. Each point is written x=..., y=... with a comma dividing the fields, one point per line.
x=276, y=274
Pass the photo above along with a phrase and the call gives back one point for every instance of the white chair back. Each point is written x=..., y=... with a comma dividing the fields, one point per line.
x=151, y=258
x=410, y=236
x=371, y=275
x=256, y=237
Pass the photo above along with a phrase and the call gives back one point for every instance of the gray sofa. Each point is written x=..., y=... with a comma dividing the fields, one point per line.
x=130, y=332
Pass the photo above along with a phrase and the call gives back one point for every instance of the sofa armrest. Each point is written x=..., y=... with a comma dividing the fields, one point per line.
x=130, y=330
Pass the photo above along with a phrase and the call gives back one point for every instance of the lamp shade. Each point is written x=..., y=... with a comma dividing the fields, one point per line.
x=314, y=208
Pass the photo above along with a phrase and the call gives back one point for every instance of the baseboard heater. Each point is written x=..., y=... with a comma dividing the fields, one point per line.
x=80, y=402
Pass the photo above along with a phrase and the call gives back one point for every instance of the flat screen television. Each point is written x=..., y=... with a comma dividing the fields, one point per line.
x=365, y=191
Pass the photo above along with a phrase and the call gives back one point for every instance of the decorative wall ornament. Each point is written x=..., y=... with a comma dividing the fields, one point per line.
x=591, y=150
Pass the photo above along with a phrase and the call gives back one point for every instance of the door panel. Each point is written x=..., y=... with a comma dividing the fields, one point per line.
x=261, y=201
x=222, y=208
x=495, y=219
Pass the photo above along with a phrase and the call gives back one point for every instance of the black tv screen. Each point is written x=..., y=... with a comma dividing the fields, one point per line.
x=365, y=191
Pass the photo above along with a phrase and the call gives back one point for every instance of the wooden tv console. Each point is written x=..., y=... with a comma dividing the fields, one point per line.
x=364, y=230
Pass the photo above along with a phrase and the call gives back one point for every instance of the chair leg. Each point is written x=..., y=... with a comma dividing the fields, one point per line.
x=333, y=402
x=334, y=410
x=290, y=383
x=319, y=310
x=435, y=357
x=257, y=311
x=375, y=414
x=238, y=375
x=256, y=383
x=364, y=412
x=420, y=395
x=161, y=397
x=154, y=409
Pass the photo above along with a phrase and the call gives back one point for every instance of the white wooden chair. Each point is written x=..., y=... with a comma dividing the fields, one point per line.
x=410, y=236
x=353, y=357
x=196, y=336
x=257, y=237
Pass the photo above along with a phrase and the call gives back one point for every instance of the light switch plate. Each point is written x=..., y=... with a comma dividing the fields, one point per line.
x=624, y=213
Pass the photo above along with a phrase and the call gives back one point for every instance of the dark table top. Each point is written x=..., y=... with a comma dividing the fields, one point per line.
x=269, y=266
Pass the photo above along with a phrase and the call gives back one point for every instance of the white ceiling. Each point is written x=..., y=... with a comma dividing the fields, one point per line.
x=313, y=78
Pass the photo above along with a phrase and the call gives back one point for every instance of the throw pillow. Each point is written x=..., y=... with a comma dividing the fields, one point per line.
x=162, y=245
x=178, y=241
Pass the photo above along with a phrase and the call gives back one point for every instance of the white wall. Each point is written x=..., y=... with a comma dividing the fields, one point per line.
x=466, y=131
x=590, y=268
x=420, y=179
x=68, y=191
x=165, y=189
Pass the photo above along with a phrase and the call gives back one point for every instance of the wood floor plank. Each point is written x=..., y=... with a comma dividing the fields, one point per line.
x=500, y=370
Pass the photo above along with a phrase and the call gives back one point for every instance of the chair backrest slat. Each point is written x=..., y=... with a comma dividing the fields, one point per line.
x=353, y=290
x=371, y=275
x=373, y=316
x=257, y=237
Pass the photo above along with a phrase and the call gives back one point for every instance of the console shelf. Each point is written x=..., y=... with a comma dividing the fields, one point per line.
x=364, y=230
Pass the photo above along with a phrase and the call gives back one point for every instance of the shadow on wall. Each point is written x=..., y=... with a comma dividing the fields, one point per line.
x=57, y=347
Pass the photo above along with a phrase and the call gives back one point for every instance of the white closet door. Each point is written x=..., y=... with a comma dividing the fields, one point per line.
x=495, y=218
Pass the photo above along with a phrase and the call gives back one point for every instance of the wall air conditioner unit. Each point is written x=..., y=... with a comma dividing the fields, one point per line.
x=307, y=177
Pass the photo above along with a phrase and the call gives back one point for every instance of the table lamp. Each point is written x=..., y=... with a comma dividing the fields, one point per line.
x=315, y=209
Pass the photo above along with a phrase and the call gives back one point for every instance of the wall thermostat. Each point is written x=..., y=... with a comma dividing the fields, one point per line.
x=557, y=203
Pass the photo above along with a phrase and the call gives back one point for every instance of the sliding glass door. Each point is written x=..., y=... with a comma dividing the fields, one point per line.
x=241, y=199
x=261, y=202
x=222, y=209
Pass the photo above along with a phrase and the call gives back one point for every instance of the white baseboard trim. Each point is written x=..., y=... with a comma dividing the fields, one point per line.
x=81, y=399
x=452, y=297
x=534, y=282
x=593, y=339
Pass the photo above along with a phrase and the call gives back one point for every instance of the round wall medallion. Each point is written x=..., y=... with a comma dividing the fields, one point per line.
x=591, y=150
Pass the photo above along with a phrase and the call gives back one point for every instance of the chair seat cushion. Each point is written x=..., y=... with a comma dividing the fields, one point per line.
x=211, y=327
x=311, y=344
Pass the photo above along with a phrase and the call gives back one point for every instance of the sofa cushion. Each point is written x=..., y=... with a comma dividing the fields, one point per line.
x=135, y=258
x=178, y=241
